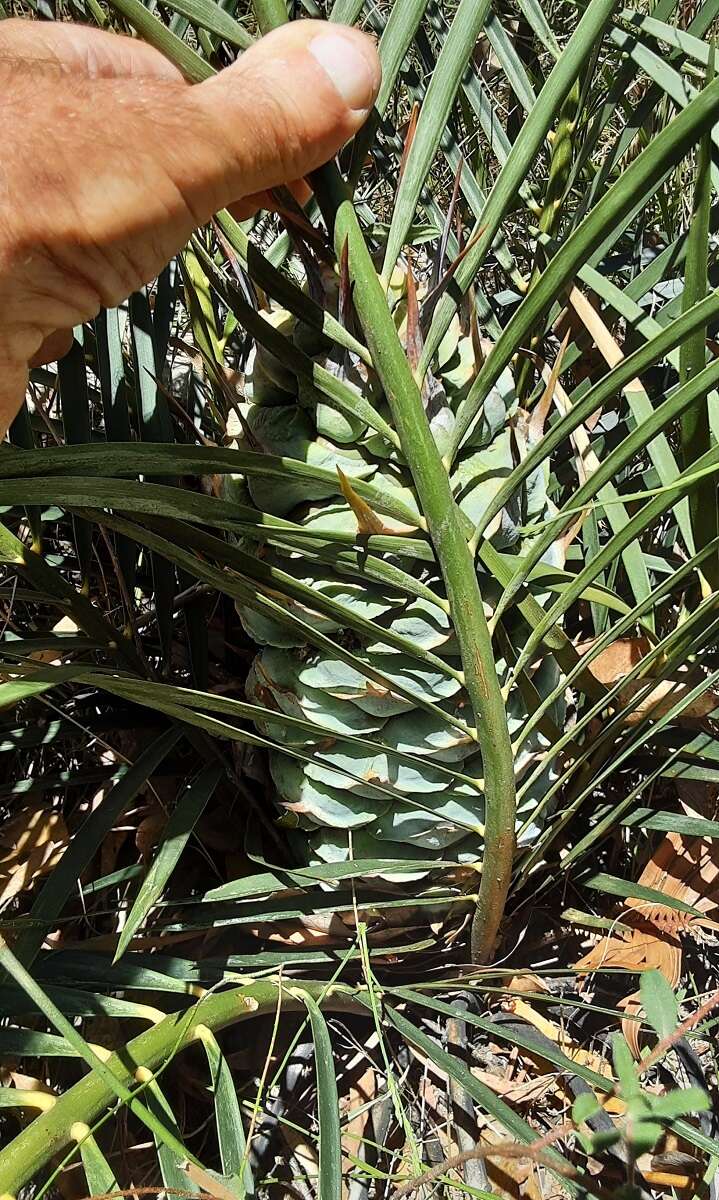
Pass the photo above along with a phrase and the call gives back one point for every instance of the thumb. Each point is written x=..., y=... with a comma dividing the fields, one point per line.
x=285, y=107
x=138, y=162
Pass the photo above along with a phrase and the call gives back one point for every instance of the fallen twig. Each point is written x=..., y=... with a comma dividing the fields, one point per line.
x=534, y=1151
x=665, y=1044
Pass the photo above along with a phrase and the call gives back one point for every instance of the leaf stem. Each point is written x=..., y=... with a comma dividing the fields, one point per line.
x=432, y=484
x=52, y=1132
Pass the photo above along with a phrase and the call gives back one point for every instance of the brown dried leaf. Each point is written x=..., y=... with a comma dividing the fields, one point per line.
x=107, y=942
x=49, y=657
x=602, y=339
x=30, y=1083
x=663, y=696
x=620, y=657
x=517, y=1093
x=32, y=827
x=112, y=844
x=31, y=844
x=555, y=1034
x=684, y=868
x=24, y=873
x=304, y=1150
x=414, y=341
x=514, y=1178
x=617, y=659
x=410, y=131
x=535, y=429
x=208, y=1183
x=149, y=830
x=586, y=459
x=672, y=1164
x=641, y=950
x=294, y=934
x=527, y=982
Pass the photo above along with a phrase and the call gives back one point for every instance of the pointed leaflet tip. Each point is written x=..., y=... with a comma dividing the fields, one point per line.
x=367, y=521
x=541, y=409
x=409, y=138
x=344, y=305
x=442, y=249
x=414, y=341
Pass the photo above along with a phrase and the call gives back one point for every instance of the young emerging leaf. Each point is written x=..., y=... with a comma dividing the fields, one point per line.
x=624, y=1066
x=680, y=1102
x=642, y=1135
x=585, y=1106
x=660, y=1003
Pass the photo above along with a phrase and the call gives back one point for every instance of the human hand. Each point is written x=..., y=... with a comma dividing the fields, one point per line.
x=111, y=159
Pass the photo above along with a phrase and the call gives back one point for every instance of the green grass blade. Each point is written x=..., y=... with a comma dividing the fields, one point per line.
x=529, y=1040
x=695, y=435
x=534, y=15
x=40, y=574
x=252, y=598
x=62, y=882
x=49, y=1134
x=136, y=458
x=169, y=1157
x=283, y=289
x=339, y=394
x=642, y=520
x=639, y=180
x=111, y=374
x=441, y=92
x=176, y=834
x=72, y=379
x=210, y=16
x=98, y=1172
x=49, y=1009
x=566, y=70
x=346, y=12
x=684, y=399
x=450, y=1065
x=158, y=35
x=662, y=343
x=637, y=891
x=510, y=63
x=155, y=695
x=155, y=426
x=402, y=23
x=228, y=1117
x=627, y=624
x=21, y=434
x=670, y=822
x=328, y=1111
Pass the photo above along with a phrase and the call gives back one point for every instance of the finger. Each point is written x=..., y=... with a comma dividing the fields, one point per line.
x=148, y=160
x=53, y=347
x=80, y=49
x=285, y=107
x=247, y=207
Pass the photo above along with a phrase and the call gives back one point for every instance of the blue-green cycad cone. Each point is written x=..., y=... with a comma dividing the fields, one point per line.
x=359, y=801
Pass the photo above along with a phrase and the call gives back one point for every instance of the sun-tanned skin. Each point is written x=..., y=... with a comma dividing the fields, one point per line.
x=110, y=160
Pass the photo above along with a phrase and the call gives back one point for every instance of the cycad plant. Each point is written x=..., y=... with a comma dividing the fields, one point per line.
x=387, y=670
x=389, y=526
